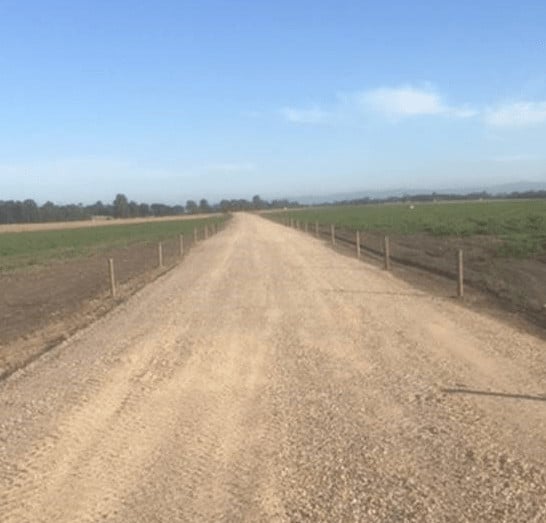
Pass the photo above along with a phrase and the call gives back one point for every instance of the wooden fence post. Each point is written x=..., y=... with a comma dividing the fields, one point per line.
x=316, y=229
x=112, y=277
x=387, y=252
x=460, y=271
x=358, y=244
x=333, y=233
x=181, y=245
x=160, y=254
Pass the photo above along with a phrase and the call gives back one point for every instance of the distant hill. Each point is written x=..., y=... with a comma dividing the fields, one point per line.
x=500, y=189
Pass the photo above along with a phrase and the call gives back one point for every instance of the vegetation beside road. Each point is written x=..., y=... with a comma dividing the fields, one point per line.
x=24, y=249
x=521, y=225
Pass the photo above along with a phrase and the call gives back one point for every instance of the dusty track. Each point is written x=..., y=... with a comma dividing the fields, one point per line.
x=269, y=378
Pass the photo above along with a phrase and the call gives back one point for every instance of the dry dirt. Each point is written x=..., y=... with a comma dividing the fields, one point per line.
x=269, y=378
x=517, y=285
x=43, y=305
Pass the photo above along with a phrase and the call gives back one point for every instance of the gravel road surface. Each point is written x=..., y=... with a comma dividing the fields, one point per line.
x=269, y=378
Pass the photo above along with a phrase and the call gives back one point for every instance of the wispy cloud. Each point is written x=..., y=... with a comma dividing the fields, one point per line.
x=393, y=102
x=313, y=115
x=407, y=101
x=517, y=114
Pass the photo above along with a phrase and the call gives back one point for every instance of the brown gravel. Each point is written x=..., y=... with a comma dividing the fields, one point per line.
x=268, y=378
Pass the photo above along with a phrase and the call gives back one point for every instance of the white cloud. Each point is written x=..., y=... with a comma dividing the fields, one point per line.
x=312, y=115
x=402, y=101
x=393, y=102
x=408, y=101
x=517, y=114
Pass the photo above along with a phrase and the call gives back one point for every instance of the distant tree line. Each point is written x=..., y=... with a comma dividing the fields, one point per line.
x=28, y=211
x=433, y=197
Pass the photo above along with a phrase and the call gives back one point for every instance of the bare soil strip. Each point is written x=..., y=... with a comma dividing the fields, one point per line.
x=268, y=378
x=44, y=305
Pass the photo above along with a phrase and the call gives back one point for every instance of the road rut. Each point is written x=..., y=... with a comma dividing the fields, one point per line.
x=268, y=378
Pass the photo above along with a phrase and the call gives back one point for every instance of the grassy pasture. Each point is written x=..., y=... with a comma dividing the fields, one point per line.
x=520, y=224
x=24, y=249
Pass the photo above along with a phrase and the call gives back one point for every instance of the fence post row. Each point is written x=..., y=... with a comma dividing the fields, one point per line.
x=111, y=269
x=160, y=254
x=333, y=233
x=358, y=244
x=460, y=274
x=387, y=252
x=112, y=277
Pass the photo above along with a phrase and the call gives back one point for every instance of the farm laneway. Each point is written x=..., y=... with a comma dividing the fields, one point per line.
x=268, y=378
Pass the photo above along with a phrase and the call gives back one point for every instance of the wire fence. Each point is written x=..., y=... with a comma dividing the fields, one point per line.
x=43, y=305
x=467, y=261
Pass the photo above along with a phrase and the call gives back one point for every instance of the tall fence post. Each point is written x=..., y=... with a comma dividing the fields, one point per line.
x=316, y=229
x=333, y=233
x=387, y=252
x=181, y=245
x=112, y=277
x=358, y=244
x=160, y=254
x=460, y=274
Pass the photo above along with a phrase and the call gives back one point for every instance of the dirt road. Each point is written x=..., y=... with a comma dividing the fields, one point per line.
x=268, y=378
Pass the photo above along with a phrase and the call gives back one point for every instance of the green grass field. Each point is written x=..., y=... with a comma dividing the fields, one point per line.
x=520, y=224
x=25, y=249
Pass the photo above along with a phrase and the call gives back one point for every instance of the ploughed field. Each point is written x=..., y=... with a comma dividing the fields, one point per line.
x=266, y=377
x=54, y=281
x=504, y=242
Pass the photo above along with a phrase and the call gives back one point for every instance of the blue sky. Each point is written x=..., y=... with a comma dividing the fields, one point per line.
x=169, y=100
